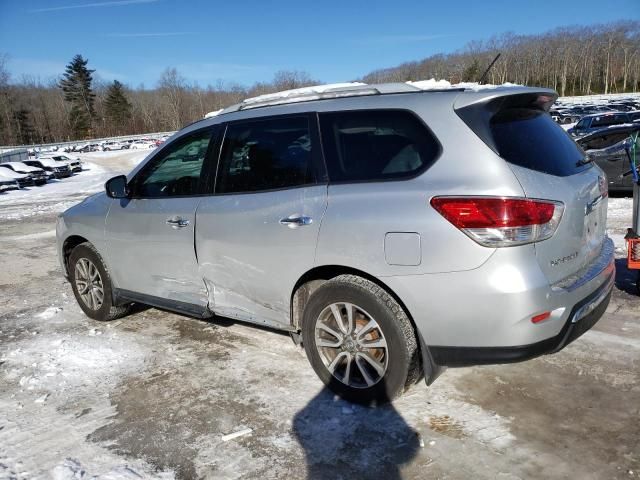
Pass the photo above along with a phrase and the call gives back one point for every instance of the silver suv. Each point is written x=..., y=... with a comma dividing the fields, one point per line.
x=392, y=231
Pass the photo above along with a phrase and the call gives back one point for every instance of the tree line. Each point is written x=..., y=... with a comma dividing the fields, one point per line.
x=77, y=106
x=572, y=60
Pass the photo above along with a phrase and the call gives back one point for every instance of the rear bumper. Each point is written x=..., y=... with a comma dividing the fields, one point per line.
x=574, y=327
x=483, y=316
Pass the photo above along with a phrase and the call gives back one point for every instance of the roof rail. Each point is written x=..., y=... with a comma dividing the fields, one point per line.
x=320, y=92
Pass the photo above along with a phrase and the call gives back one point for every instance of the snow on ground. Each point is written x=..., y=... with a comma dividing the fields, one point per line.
x=618, y=220
x=64, y=373
x=58, y=195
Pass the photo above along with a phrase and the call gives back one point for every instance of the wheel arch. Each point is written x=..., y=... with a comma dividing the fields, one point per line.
x=71, y=242
x=312, y=279
x=315, y=277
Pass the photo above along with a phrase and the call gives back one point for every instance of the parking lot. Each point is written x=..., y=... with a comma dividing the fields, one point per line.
x=154, y=394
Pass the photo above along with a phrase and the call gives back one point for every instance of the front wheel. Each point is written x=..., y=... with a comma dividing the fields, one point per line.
x=360, y=341
x=92, y=285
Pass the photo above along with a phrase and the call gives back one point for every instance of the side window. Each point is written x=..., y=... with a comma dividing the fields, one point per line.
x=175, y=171
x=608, y=120
x=265, y=155
x=376, y=145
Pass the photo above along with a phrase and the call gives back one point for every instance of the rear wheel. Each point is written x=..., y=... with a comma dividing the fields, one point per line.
x=92, y=285
x=359, y=341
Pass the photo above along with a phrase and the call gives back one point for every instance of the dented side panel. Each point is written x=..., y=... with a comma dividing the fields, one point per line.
x=248, y=259
x=149, y=256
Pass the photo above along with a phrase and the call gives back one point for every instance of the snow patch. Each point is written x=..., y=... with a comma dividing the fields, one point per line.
x=49, y=313
x=433, y=84
x=71, y=469
x=296, y=92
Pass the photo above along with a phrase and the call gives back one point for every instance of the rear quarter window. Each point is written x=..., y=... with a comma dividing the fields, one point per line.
x=376, y=145
x=530, y=138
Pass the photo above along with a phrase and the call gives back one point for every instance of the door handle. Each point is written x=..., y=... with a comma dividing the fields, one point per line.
x=293, y=222
x=177, y=222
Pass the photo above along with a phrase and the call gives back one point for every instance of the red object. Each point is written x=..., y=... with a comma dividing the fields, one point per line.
x=633, y=253
x=493, y=212
x=541, y=317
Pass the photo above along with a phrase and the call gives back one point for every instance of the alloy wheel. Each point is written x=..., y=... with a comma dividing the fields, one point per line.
x=89, y=283
x=351, y=345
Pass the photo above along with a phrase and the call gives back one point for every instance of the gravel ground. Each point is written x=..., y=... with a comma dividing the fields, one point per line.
x=154, y=394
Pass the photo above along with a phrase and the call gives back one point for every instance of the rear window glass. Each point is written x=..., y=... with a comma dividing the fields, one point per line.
x=530, y=138
x=374, y=145
x=607, y=120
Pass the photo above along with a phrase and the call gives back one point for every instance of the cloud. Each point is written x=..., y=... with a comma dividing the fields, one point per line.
x=397, y=39
x=155, y=34
x=116, y=3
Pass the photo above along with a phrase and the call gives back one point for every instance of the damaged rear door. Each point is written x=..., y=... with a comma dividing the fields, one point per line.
x=257, y=235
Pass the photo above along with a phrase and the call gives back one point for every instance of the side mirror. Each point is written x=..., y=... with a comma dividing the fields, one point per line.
x=117, y=187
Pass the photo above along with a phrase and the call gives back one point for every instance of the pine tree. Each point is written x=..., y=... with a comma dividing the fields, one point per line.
x=472, y=72
x=117, y=107
x=26, y=132
x=76, y=85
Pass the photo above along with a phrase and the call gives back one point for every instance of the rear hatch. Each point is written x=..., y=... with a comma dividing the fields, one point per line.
x=550, y=166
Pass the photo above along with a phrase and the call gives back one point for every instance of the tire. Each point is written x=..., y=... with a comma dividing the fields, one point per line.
x=84, y=261
x=398, y=361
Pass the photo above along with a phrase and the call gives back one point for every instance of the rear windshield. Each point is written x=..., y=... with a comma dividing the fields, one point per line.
x=530, y=138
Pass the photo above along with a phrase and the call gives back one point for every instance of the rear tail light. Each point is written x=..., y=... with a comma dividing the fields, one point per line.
x=541, y=317
x=499, y=221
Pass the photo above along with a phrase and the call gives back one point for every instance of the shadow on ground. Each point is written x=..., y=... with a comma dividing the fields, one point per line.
x=342, y=440
x=626, y=279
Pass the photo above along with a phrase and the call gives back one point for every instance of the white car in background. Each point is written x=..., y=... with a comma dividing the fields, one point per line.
x=74, y=163
x=51, y=167
x=23, y=179
x=141, y=144
x=107, y=146
x=6, y=182
x=40, y=177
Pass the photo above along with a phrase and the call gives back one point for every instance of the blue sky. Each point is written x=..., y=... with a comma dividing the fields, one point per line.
x=246, y=41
